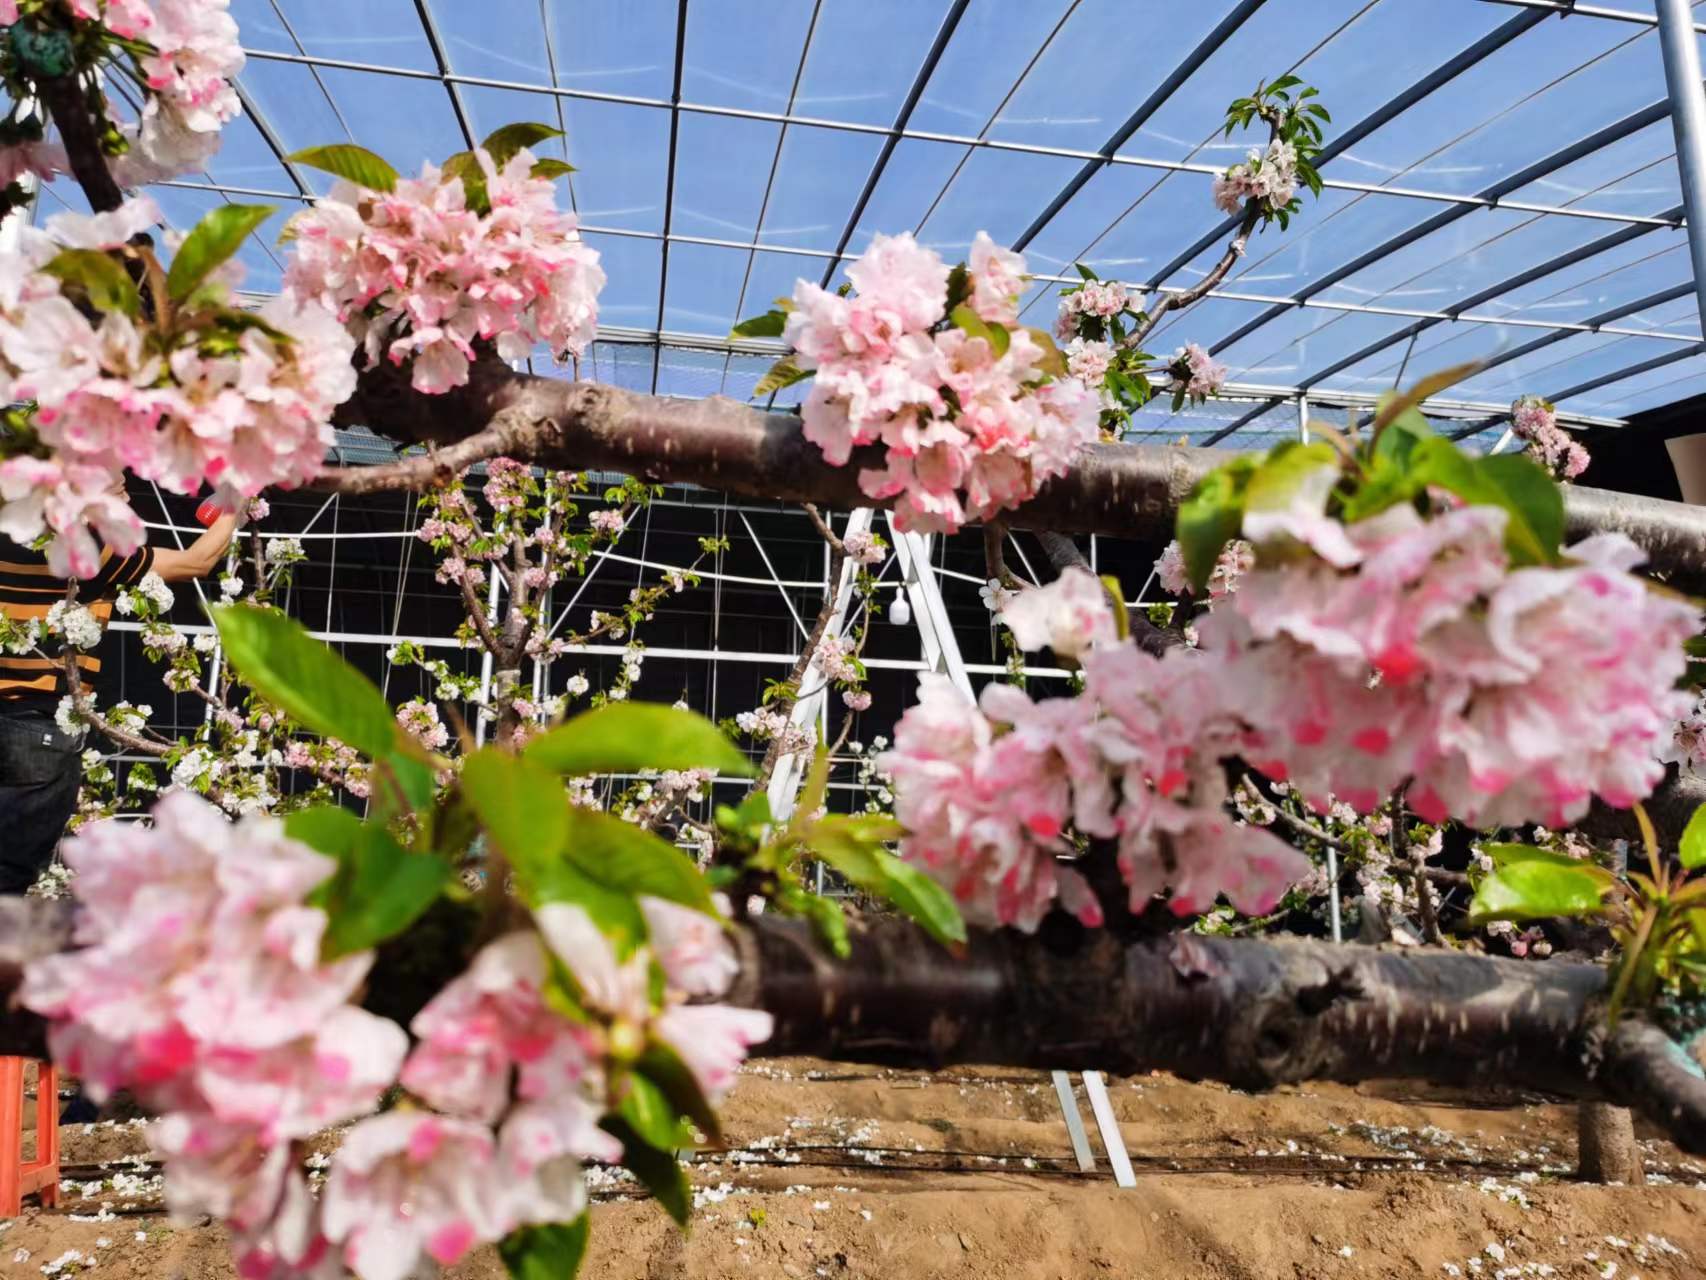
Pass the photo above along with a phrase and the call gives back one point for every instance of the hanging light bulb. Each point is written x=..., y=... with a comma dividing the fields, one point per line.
x=900, y=613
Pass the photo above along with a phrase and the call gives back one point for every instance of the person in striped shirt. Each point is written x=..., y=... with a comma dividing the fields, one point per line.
x=41, y=766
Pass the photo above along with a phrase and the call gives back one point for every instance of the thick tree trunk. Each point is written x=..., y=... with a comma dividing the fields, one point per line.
x=1250, y=1013
x=1605, y=1145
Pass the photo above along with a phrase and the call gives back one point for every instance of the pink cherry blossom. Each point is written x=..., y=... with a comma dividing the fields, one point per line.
x=614, y=988
x=191, y=56
x=489, y=1020
x=987, y=793
x=1069, y=615
x=1195, y=373
x=1268, y=176
x=1103, y=299
x=984, y=812
x=966, y=431
x=712, y=1040
x=1088, y=359
x=42, y=160
x=997, y=278
x=175, y=929
x=418, y=276
x=1170, y=571
x=409, y=1185
x=691, y=946
x=1507, y=696
x=1535, y=422
x=1687, y=747
x=1235, y=559
x=865, y=548
x=106, y=401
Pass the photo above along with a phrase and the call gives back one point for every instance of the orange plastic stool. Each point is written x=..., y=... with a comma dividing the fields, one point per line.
x=41, y=1174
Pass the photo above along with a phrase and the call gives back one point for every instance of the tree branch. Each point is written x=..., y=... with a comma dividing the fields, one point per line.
x=508, y=432
x=84, y=705
x=1217, y=273
x=1121, y=490
x=824, y=531
x=65, y=103
x=802, y=664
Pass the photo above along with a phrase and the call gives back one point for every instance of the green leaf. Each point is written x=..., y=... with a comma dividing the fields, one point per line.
x=1692, y=848
x=1527, y=883
x=285, y=665
x=523, y=808
x=1527, y=488
x=101, y=276
x=974, y=326
x=1085, y=271
x=853, y=846
x=550, y=168
x=1277, y=478
x=959, y=285
x=401, y=785
x=657, y=1170
x=1053, y=361
x=626, y=737
x=816, y=784
x=828, y=919
x=212, y=241
x=1394, y=403
x=751, y=816
x=502, y=144
x=1211, y=516
x=1533, y=505
x=784, y=373
x=465, y=165
x=630, y=860
x=768, y=325
x=379, y=888
x=551, y=1252
x=666, y=1070
x=353, y=163
x=648, y=1110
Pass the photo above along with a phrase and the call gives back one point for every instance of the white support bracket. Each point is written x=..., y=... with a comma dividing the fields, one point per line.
x=941, y=649
x=1074, y=1121
x=1109, y=1126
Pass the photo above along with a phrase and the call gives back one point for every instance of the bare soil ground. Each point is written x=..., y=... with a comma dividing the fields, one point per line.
x=843, y=1172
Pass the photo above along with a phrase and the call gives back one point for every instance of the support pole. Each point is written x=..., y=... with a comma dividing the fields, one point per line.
x=941, y=648
x=1688, y=119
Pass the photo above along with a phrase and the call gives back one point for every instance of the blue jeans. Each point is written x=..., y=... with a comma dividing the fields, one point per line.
x=41, y=768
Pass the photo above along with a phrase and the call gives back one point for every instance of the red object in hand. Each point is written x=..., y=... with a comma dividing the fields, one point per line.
x=207, y=513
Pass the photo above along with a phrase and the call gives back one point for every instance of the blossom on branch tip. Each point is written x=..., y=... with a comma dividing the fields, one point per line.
x=418, y=275
x=970, y=425
x=1535, y=422
x=242, y=410
x=1196, y=375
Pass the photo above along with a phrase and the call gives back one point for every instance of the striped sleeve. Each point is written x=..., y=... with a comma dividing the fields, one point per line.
x=118, y=572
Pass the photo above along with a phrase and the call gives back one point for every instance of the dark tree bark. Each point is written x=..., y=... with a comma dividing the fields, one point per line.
x=1250, y=1013
x=66, y=104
